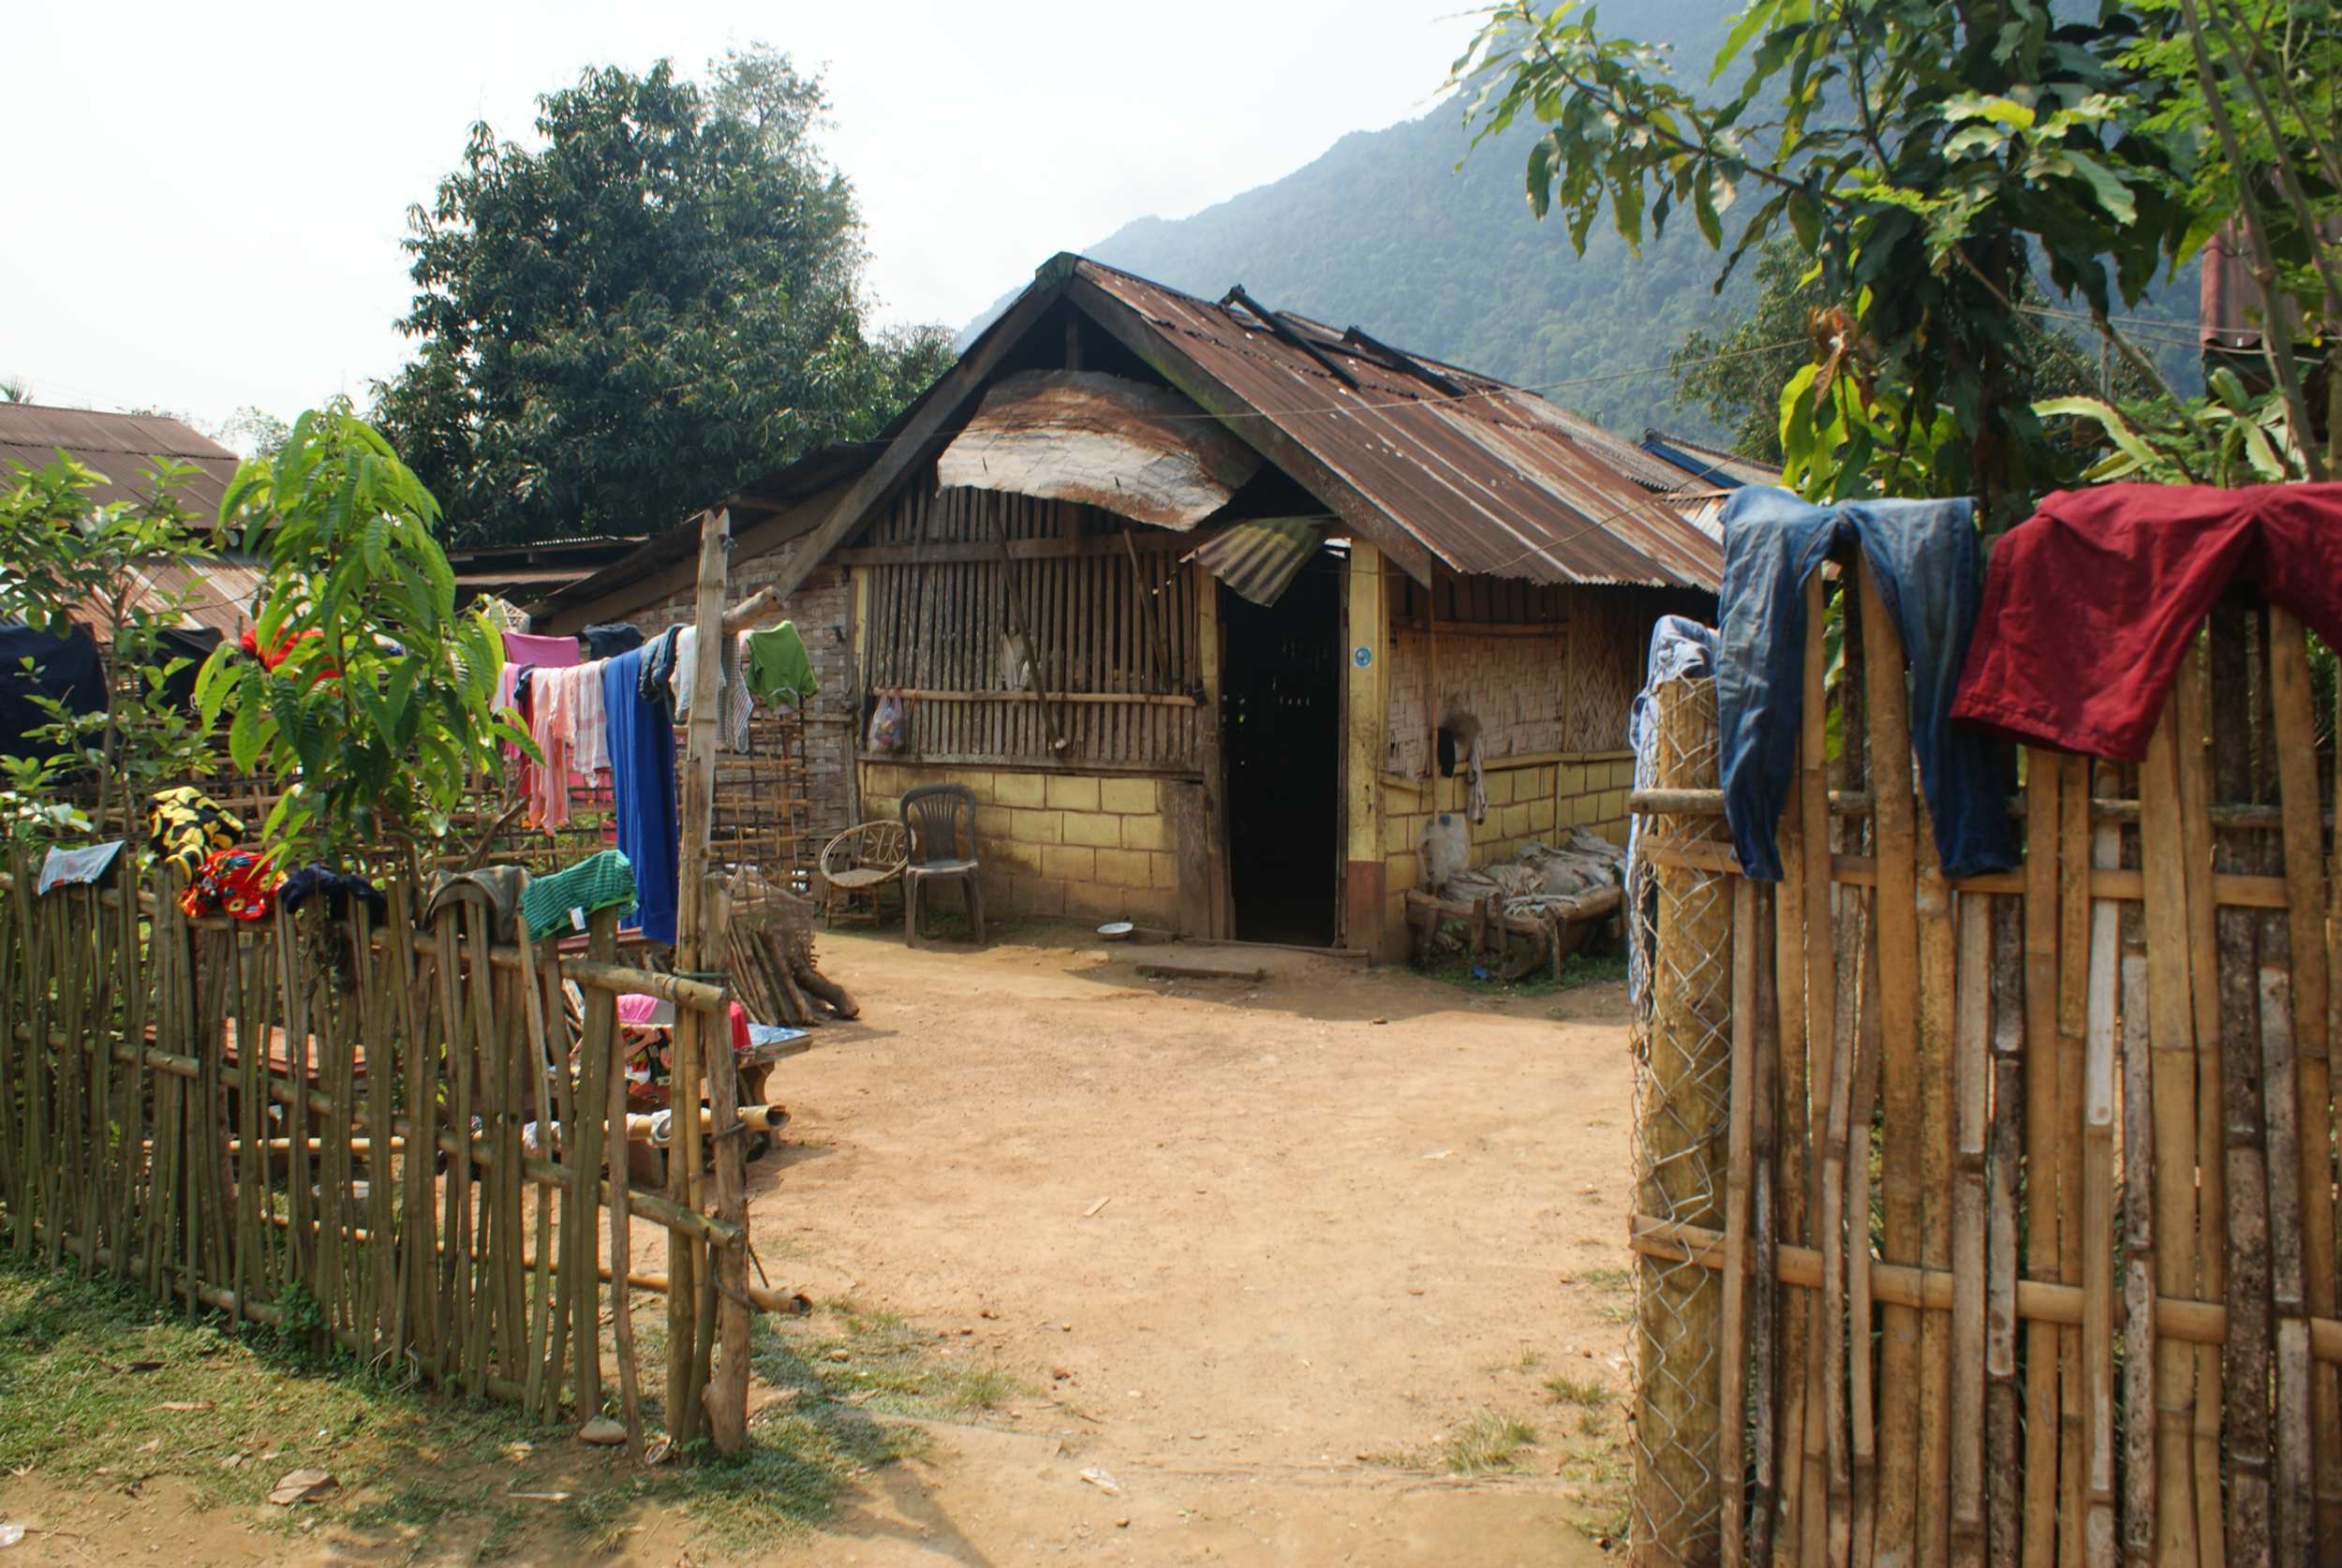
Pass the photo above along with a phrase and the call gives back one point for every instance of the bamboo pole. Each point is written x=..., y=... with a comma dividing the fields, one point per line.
x=2171, y=1023
x=2309, y=1110
x=693, y=1048
x=1904, y=1405
x=728, y=1390
x=2097, y=1340
x=1971, y=1115
x=1676, y=1499
x=2044, y=777
x=2004, y=1454
x=1733, y=1358
x=2202, y=959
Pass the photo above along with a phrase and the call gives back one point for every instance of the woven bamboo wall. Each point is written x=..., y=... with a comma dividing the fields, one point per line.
x=1119, y=636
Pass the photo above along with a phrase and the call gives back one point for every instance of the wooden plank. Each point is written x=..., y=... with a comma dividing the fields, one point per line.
x=1732, y=1351
x=1971, y=1098
x=2308, y=897
x=2140, y=1351
x=2171, y=1025
x=2074, y=906
x=1894, y=915
x=2202, y=951
x=1814, y=1426
x=2097, y=1222
x=2044, y=779
x=2004, y=1455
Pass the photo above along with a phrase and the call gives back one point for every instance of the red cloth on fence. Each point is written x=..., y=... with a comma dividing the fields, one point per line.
x=2089, y=603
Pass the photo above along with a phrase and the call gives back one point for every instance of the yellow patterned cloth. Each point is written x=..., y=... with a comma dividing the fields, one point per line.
x=185, y=826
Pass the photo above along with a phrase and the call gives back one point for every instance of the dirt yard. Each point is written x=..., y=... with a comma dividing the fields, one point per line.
x=1327, y=1268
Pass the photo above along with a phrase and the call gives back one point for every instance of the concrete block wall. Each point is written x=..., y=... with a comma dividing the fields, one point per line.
x=1088, y=846
x=1539, y=800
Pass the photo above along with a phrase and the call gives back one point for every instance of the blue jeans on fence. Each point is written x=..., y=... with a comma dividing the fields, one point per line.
x=1929, y=566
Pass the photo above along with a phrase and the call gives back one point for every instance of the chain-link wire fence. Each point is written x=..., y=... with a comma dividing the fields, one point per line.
x=1680, y=925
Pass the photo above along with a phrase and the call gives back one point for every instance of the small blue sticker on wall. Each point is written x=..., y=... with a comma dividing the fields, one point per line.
x=1362, y=657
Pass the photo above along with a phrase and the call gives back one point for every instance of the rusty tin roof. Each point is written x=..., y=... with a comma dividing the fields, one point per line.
x=120, y=447
x=1491, y=480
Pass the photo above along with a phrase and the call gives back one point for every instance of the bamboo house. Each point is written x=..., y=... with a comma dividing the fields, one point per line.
x=1204, y=602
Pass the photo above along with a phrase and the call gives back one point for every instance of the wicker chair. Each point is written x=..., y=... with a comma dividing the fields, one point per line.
x=942, y=822
x=862, y=861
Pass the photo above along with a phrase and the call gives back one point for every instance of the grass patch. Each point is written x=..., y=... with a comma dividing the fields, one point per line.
x=102, y=1388
x=1487, y=1444
x=871, y=1358
x=1578, y=969
x=1608, y=1279
x=1585, y=1393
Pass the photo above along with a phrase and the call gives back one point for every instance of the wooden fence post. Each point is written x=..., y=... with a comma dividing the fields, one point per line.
x=1684, y=1081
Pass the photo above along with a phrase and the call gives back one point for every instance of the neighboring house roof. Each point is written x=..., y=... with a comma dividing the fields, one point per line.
x=526, y=572
x=120, y=447
x=215, y=593
x=1706, y=465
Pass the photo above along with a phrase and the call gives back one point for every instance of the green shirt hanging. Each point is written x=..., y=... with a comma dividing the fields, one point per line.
x=779, y=670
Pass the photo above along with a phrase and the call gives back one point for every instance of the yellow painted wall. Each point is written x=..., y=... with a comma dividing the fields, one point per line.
x=1530, y=800
x=1085, y=846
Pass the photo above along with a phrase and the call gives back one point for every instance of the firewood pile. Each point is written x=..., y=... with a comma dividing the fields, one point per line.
x=770, y=938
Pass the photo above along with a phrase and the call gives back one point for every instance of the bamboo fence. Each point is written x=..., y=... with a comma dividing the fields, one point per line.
x=396, y=1138
x=1992, y=1220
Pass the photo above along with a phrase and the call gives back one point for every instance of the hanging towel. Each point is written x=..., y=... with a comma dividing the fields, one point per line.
x=597, y=883
x=76, y=868
x=546, y=653
x=642, y=777
x=1681, y=650
x=732, y=691
x=779, y=670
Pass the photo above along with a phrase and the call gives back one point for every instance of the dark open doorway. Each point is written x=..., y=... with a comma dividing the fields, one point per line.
x=1280, y=729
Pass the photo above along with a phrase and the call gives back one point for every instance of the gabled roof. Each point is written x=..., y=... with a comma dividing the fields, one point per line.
x=1486, y=478
x=121, y=447
x=1435, y=464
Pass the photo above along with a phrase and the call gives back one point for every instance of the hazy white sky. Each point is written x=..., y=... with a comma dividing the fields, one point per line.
x=205, y=201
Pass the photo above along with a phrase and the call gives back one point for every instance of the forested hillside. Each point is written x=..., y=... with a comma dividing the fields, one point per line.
x=1428, y=243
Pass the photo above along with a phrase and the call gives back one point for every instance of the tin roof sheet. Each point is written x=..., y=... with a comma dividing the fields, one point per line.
x=1493, y=480
x=120, y=448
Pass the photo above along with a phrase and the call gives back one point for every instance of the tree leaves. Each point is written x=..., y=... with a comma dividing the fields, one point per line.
x=660, y=302
x=1922, y=156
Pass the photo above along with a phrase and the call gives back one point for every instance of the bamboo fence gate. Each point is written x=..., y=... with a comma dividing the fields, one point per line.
x=401, y=1137
x=1994, y=1222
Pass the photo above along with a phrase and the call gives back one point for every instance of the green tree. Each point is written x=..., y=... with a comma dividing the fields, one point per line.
x=1926, y=157
x=1735, y=376
x=72, y=557
x=380, y=709
x=659, y=301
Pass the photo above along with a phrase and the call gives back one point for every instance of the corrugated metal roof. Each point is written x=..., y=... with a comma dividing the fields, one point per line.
x=1260, y=556
x=1497, y=481
x=217, y=594
x=120, y=447
x=1705, y=466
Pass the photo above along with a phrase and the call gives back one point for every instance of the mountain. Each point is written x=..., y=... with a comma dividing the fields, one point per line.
x=1428, y=243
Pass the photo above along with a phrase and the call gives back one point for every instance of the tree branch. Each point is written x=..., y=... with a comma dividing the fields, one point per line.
x=2277, y=334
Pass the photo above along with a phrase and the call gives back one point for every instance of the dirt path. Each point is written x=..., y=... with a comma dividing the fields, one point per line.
x=1343, y=1213
x=1256, y=1257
